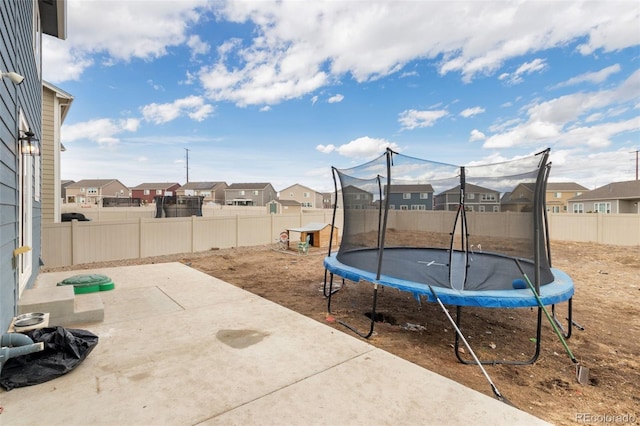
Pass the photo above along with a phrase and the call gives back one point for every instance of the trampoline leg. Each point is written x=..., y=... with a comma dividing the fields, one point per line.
x=373, y=318
x=570, y=322
x=324, y=287
x=530, y=361
x=350, y=327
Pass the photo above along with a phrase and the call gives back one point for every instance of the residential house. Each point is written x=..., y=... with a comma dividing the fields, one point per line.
x=147, y=191
x=249, y=194
x=327, y=200
x=63, y=187
x=23, y=24
x=559, y=193
x=284, y=207
x=92, y=191
x=213, y=192
x=306, y=196
x=411, y=197
x=616, y=197
x=352, y=197
x=518, y=200
x=477, y=199
x=55, y=106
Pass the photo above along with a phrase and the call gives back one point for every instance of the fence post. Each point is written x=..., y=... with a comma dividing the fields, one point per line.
x=140, y=237
x=237, y=230
x=74, y=243
x=193, y=234
x=599, y=233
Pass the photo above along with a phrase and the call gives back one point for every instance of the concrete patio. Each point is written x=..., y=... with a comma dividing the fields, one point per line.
x=179, y=347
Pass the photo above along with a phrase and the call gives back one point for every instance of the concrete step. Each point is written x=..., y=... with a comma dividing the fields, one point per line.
x=64, y=307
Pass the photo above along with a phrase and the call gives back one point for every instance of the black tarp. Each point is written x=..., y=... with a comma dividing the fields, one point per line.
x=64, y=350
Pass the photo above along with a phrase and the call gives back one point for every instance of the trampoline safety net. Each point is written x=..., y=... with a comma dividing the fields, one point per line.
x=469, y=223
x=178, y=206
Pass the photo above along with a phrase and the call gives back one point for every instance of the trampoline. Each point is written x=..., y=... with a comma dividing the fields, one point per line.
x=490, y=283
x=470, y=233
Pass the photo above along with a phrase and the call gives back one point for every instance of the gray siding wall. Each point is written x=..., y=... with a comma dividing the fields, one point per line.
x=16, y=54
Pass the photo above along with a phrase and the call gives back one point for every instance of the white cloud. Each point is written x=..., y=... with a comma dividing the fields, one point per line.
x=537, y=65
x=192, y=106
x=124, y=30
x=574, y=164
x=413, y=119
x=335, y=99
x=300, y=46
x=591, y=77
x=476, y=135
x=363, y=147
x=470, y=112
x=197, y=46
x=103, y=130
x=295, y=48
x=562, y=120
x=155, y=86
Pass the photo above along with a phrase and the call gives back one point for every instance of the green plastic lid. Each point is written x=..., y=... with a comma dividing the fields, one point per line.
x=88, y=283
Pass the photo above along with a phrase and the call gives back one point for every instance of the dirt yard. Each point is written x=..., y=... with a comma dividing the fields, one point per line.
x=607, y=284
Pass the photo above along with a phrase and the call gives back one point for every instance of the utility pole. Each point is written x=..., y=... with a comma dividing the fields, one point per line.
x=187, y=150
x=636, y=151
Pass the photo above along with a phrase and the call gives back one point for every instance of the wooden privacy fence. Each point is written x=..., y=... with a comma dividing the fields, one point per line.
x=74, y=243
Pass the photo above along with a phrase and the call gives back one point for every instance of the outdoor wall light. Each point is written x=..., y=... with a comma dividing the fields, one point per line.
x=29, y=144
x=13, y=76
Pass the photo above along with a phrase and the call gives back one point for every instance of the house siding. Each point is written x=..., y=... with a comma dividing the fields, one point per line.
x=49, y=187
x=16, y=54
x=296, y=193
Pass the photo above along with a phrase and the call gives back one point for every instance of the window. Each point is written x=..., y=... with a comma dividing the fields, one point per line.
x=578, y=208
x=471, y=196
x=578, y=193
x=404, y=207
x=256, y=192
x=602, y=207
x=158, y=191
x=481, y=209
x=305, y=194
x=81, y=189
x=424, y=195
x=291, y=195
x=418, y=207
x=496, y=209
x=241, y=192
x=557, y=195
x=555, y=209
x=146, y=192
x=92, y=191
x=406, y=196
x=488, y=197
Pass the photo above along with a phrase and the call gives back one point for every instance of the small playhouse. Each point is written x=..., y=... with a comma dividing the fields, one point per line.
x=320, y=234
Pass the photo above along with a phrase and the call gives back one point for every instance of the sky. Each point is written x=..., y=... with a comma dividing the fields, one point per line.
x=280, y=92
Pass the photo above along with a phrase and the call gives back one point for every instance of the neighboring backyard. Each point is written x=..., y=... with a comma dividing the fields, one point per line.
x=607, y=283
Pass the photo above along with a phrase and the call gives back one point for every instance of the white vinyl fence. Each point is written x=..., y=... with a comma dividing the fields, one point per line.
x=73, y=243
